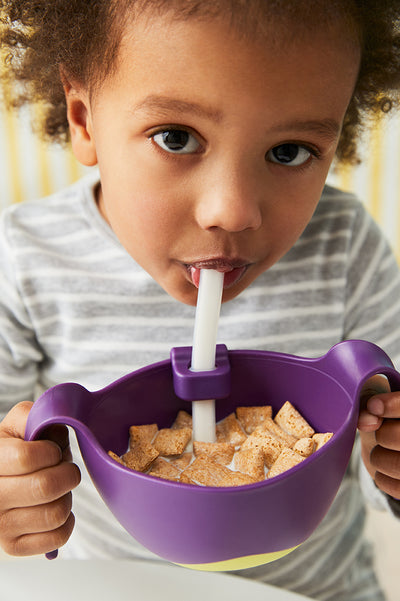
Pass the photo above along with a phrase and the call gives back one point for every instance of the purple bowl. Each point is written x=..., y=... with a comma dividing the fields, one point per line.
x=220, y=528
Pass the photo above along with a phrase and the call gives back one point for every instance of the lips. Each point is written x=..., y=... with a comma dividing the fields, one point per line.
x=233, y=270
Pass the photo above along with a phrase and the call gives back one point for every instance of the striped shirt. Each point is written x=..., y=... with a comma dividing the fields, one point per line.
x=76, y=307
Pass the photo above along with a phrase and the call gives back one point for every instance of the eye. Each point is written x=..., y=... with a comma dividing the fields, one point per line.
x=176, y=141
x=292, y=155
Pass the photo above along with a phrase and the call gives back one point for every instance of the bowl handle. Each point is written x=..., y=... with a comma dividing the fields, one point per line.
x=352, y=362
x=67, y=404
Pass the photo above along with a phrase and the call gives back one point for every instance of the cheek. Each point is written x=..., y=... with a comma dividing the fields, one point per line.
x=145, y=225
x=291, y=223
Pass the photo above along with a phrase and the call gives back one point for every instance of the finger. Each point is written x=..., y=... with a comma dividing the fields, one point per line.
x=386, y=461
x=18, y=457
x=30, y=520
x=39, y=543
x=388, y=485
x=368, y=422
x=388, y=435
x=385, y=405
x=38, y=488
x=14, y=423
x=59, y=434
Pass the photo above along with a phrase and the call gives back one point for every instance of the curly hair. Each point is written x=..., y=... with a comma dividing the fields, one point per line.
x=37, y=37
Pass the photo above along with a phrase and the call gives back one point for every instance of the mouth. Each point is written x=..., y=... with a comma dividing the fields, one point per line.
x=233, y=270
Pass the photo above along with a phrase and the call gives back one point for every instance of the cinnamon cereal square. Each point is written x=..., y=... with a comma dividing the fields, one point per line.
x=115, y=457
x=270, y=445
x=251, y=417
x=287, y=459
x=204, y=471
x=250, y=462
x=305, y=446
x=321, y=438
x=144, y=433
x=290, y=420
x=183, y=420
x=276, y=430
x=236, y=479
x=181, y=461
x=219, y=451
x=140, y=457
x=229, y=430
x=164, y=469
x=172, y=442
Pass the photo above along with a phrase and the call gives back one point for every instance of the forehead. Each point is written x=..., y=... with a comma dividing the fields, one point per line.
x=250, y=17
x=275, y=23
x=271, y=24
x=209, y=65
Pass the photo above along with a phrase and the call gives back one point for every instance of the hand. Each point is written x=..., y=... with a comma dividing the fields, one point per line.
x=35, y=483
x=379, y=426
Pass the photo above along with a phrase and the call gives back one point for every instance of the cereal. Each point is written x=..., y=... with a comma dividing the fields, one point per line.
x=181, y=461
x=222, y=452
x=305, y=446
x=144, y=433
x=164, y=469
x=250, y=446
x=250, y=462
x=236, y=479
x=183, y=420
x=269, y=444
x=140, y=457
x=271, y=426
x=172, y=442
x=287, y=459
x=251, y=417
x=290, y=420
x=321, y=439
x=116, y=458
x=229, y=430
x=204, y=471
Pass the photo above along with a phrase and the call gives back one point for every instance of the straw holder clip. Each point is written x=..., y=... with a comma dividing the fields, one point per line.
x=199, y=385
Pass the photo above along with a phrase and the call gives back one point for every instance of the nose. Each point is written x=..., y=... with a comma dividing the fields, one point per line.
x=232, y=202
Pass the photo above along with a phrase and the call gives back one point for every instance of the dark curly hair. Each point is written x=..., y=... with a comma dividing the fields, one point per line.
x=37, y=37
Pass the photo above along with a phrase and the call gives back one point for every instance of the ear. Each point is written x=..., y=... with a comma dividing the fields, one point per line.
x=80, y=123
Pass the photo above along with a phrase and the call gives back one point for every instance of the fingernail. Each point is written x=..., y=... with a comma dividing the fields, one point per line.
x=376, y=406
x=367, y=420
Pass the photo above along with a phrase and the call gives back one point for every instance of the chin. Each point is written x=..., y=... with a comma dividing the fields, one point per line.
x=186, y=294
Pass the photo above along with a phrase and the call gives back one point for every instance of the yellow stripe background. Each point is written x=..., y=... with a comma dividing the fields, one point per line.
x=30, y=168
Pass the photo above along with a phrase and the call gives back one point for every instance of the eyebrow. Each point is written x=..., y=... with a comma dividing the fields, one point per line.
x=325, y=128
x=166, y=105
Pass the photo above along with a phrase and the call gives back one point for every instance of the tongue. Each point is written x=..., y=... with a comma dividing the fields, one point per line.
x=231, y=276
x=195, y=274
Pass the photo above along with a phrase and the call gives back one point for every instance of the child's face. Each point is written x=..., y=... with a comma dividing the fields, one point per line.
x=213, y=150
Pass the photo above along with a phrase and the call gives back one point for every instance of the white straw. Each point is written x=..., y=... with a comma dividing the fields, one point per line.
x=204, y=348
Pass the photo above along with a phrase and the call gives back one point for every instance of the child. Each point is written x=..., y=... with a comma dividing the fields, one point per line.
x=213, y=126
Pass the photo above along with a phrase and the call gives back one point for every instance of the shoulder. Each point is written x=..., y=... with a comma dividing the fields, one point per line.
x=340, y=232
x=49, y=216
x=335, y=203
x=342, y=215
x=66, y=201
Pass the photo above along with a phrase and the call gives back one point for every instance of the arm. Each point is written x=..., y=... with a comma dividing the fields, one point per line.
x=35, y=477
x=373, y=313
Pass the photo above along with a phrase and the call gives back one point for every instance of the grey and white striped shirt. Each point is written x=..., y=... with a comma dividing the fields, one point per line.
x=75, y=306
